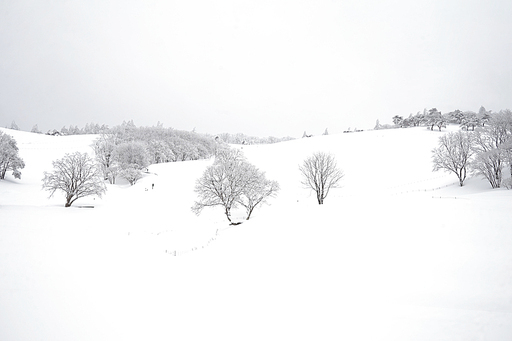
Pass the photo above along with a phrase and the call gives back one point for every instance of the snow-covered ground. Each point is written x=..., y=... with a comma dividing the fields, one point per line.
x=398, y=253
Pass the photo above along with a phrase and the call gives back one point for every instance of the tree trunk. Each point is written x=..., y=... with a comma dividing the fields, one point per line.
x=3, y=170
x=226, y=212
x=69, y=201
x=249, y=215
x=462, y=176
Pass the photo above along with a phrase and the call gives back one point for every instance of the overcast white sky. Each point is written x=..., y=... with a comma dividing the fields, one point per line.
x=258, y=67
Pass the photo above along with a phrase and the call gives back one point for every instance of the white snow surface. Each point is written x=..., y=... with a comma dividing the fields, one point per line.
x=397, y=253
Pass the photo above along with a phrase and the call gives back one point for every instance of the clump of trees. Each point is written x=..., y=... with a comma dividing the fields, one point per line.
x=484, y=151
x=232, y=181
x=467, y=120
x=320, y=173
x=9, y=156
x=126, y=150
x=431, y=118
x=77, y=175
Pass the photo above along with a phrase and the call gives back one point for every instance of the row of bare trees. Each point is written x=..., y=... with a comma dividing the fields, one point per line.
x=229, y=182
x=485, y=151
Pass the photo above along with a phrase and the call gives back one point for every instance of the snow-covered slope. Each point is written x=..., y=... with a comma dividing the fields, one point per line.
x=397, y=253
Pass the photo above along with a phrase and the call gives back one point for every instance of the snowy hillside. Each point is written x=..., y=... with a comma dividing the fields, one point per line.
x=397, y=253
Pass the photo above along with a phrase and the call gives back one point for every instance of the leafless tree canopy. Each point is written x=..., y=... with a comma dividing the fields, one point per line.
x=320, y=172
x=230, y=181
x=453, y=154
x=76, y=175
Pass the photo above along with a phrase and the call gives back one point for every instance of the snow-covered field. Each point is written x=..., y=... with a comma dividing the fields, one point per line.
x=398, y=253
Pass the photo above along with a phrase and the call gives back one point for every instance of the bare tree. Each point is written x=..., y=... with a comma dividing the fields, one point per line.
x=9, y=157
x=490, y=147
x=489, y=163
x=321, y=173
x=257, y=189
x=221, y=183
x=453, y=154
x=77, y=175
x=230, y=181
x=489, y=160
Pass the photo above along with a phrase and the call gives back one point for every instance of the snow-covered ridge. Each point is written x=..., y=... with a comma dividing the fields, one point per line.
x=397, y=253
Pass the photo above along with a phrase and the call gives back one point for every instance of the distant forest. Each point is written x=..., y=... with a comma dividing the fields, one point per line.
x=94, y=128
